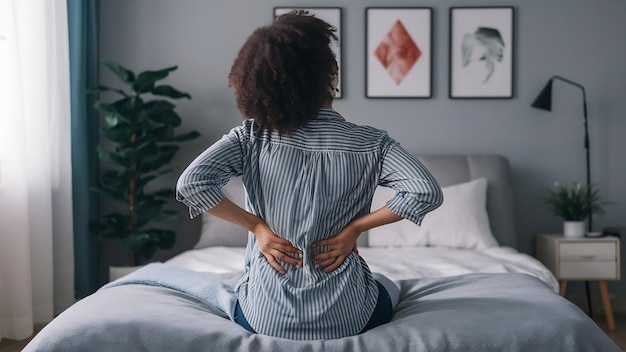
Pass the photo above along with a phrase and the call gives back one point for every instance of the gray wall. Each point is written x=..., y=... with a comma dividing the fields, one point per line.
x=578, y=39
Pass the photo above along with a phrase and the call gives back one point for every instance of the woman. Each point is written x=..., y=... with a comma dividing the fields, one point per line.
x=310, y=177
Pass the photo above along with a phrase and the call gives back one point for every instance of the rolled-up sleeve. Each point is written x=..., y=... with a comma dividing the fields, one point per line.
x=417, y=192
x=200, y=185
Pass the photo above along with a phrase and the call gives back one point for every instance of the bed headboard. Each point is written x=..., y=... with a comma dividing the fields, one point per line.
x=453, y=169
x=447, y=170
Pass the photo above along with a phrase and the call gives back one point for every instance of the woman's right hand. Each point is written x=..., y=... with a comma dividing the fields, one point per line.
x=275, y=248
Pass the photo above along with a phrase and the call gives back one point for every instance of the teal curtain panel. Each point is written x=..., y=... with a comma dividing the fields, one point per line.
x=83, y=36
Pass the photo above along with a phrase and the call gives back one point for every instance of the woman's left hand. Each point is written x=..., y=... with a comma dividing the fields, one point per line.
x=338, y=247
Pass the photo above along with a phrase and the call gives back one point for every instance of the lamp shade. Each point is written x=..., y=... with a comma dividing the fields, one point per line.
x=544, y=99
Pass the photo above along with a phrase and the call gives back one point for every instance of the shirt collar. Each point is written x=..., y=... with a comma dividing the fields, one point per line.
x=329, y=114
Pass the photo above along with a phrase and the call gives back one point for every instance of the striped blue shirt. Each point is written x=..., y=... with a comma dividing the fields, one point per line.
x=307, y=186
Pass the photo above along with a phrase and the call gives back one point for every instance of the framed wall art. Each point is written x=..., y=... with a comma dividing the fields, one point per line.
x=398, y=52
x=481, y=52
x=331, y=15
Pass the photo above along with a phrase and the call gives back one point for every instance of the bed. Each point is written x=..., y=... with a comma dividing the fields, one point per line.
x=464, y=286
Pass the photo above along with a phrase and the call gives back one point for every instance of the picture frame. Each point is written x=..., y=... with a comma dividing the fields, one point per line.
x=333, y=16
x=398, y=52
x=481, y=52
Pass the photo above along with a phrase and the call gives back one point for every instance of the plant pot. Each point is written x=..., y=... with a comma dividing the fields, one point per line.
x=116, y=272
x=574, y=228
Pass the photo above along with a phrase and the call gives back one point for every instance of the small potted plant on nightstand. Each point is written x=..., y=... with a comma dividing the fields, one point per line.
x=573, y=204
x=140, y=143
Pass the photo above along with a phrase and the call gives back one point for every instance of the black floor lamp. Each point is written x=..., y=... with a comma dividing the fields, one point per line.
x=544, y=102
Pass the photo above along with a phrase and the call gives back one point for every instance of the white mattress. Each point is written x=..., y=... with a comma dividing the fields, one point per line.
x=395, y=263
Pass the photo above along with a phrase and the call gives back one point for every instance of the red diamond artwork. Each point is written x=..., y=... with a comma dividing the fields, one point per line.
x=398, y=52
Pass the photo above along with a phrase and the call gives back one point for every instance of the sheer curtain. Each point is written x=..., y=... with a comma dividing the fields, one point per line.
x=36, y=235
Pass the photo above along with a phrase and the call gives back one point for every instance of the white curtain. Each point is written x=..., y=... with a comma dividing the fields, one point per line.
x=36, y=239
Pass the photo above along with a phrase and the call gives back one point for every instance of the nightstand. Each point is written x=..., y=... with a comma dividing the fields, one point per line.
x=582, y=259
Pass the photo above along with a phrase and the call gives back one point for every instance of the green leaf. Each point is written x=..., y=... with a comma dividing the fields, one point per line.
x=144, y=179
x=116, y=221
x=167, y=216
x=124, y=74
x=129, y=107
x=114, y=120
x=148, y=209
x=165, y=133
x=149, y=125
x=157, y=110
x=119, y=134
x=163, y=239
x=114, y=178
x=109, y=233
x=115, y=194
x=155, y=160
x=144, y=243
x=120, y=160
x=137, y=241
x=158, y=131
x=103, y=230
x=111, y=120
x=169, y=91
x=116, y=183
x=105, y=107
x=138, y=151
x=103, y=155
x=168, y=117
x=159, y=106
x=145, y=80
x=113, y=157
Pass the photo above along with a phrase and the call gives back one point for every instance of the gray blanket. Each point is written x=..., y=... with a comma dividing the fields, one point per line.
x=474, y=312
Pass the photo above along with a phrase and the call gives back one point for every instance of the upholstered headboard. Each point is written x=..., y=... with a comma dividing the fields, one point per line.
x=447, y=170
x=453, y=169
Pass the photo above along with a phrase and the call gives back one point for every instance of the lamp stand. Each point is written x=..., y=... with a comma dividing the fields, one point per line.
x=544, y=101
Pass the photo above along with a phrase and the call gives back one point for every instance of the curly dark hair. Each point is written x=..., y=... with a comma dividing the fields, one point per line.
x=284, y=72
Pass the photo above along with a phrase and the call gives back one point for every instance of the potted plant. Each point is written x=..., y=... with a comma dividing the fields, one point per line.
x=140, y=141
x=573, y=204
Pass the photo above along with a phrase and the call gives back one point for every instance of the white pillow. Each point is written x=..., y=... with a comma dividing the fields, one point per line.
x=460, y=222
x=217, y=232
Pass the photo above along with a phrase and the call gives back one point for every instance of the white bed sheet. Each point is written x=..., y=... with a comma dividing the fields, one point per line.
x=395, y=263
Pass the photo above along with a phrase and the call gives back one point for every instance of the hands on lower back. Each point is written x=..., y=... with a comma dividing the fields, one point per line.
x=275, y=248
x=338, y=248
